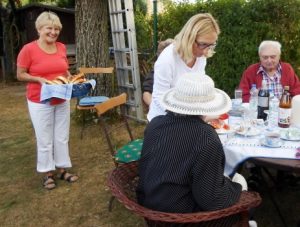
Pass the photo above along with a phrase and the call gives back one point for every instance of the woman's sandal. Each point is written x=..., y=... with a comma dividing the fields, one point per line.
x=68, y=177
x=49, y=182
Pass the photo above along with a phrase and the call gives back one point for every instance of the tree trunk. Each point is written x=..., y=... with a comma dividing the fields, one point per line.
x=91, y=26
x=9, y=51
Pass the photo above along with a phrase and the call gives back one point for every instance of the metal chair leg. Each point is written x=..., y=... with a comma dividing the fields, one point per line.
x=83, y=124
x=111, y=200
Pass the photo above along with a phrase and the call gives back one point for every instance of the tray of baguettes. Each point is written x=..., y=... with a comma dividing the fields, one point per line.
x=80, y=85
x=75, y=79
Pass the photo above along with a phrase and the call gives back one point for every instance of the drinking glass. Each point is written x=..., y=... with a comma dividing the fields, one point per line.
x=246, y=122
x=238, y=93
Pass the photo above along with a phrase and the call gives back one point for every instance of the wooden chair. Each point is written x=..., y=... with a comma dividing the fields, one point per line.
x=88, y=102
x=122, y=182
x=125, y=152
x=122, y=152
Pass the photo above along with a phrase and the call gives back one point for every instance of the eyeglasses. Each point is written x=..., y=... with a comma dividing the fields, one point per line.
x=203, y=46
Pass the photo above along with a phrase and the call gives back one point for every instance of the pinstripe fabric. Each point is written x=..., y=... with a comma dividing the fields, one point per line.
x=181, y=167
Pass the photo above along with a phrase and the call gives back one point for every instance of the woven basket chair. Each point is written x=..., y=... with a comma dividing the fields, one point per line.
x=122, y=182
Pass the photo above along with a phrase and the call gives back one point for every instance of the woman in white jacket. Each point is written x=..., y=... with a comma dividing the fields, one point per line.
x=193, y=44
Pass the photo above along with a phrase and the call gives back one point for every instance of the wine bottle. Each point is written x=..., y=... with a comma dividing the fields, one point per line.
x=285, y=109
x=263, y=101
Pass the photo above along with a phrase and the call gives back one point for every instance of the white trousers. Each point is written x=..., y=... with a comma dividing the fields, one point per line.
x=51, y=125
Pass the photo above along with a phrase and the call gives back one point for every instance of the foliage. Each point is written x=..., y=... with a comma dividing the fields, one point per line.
x=66, y=3
x=244, y=24
x=140, y=5
x=143, y=31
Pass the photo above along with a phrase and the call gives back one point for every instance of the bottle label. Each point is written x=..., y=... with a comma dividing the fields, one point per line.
x=263, y=101
x=284, y=116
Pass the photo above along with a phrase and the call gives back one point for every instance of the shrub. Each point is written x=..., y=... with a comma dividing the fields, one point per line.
x=244, y=24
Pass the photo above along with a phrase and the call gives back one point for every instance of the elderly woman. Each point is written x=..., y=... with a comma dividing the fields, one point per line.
x=38, y=61
x=193, y=44
x=182, y=160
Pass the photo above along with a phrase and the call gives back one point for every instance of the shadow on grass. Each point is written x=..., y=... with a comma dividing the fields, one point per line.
x=24, y=202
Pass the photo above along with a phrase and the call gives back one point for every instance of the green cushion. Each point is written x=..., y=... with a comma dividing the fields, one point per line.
x=130, y=152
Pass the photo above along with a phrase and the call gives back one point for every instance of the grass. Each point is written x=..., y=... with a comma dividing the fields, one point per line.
x=23, y=200
x=25, y=203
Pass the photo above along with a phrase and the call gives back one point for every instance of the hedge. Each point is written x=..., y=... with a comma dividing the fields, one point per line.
x=244, y=24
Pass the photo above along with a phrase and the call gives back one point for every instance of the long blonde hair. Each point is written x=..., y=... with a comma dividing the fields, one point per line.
x=198, y=25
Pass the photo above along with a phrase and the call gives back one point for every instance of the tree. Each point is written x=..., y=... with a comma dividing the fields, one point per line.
x=92, y=39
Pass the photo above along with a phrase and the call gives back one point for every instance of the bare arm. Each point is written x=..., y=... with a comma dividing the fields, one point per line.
x=147, y=97
x=23, y=75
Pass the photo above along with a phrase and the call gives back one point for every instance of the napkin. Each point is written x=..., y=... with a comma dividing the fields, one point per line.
x=62, y=91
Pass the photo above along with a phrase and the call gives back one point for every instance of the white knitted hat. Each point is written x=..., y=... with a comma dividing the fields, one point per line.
x=196, y=94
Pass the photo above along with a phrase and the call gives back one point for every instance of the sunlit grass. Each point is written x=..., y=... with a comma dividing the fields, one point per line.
x=24, y=202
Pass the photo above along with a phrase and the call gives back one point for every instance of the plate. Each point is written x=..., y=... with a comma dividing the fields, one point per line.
x=224, y=131
x=264, y=143
x=251, y=132
x=291, y=134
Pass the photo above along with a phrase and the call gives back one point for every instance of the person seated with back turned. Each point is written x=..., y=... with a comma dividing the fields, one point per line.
x=181, y=168
x=276, y=73
x=148, y=81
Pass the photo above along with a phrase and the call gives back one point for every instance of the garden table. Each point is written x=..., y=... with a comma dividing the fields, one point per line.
x=239, y=148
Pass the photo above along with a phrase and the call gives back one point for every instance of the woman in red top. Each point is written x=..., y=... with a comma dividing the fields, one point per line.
x=38, y=61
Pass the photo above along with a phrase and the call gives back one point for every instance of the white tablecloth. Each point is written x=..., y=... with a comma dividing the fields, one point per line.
x=240, y=148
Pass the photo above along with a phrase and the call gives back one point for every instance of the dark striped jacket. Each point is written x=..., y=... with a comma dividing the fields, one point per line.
x=181, y=167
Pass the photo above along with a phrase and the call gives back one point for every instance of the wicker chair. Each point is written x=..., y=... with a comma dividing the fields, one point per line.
x=122, y=182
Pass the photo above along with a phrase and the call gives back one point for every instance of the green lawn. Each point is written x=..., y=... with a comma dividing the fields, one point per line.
x=23, y=201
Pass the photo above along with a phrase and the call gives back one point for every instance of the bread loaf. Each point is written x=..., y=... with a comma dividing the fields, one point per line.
x=56, y=81
x=49, y=82
x=77, y=77
x=78, y=81
x=62, y=79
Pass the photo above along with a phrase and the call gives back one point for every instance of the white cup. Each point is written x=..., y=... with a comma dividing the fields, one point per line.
x=272, y=138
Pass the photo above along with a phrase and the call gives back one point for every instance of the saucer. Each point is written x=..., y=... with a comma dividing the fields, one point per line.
x=252, y=132
x=264, y=143
x=224, y=131
x=291, y=134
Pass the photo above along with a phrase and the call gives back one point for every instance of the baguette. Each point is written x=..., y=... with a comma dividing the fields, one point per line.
x=57, y=82
x=49, y=82
x=62, y=79
x=78, y=81
x=77, y=77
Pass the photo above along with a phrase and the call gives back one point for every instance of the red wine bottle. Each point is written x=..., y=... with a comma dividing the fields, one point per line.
x=263, y=101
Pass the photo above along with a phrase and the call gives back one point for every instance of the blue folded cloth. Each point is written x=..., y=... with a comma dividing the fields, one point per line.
x=65, y=91
x=80, y=90
x=92, y=100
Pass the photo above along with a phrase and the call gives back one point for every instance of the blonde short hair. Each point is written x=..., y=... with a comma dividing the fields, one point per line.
x=47, y=18
x=198, y=25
